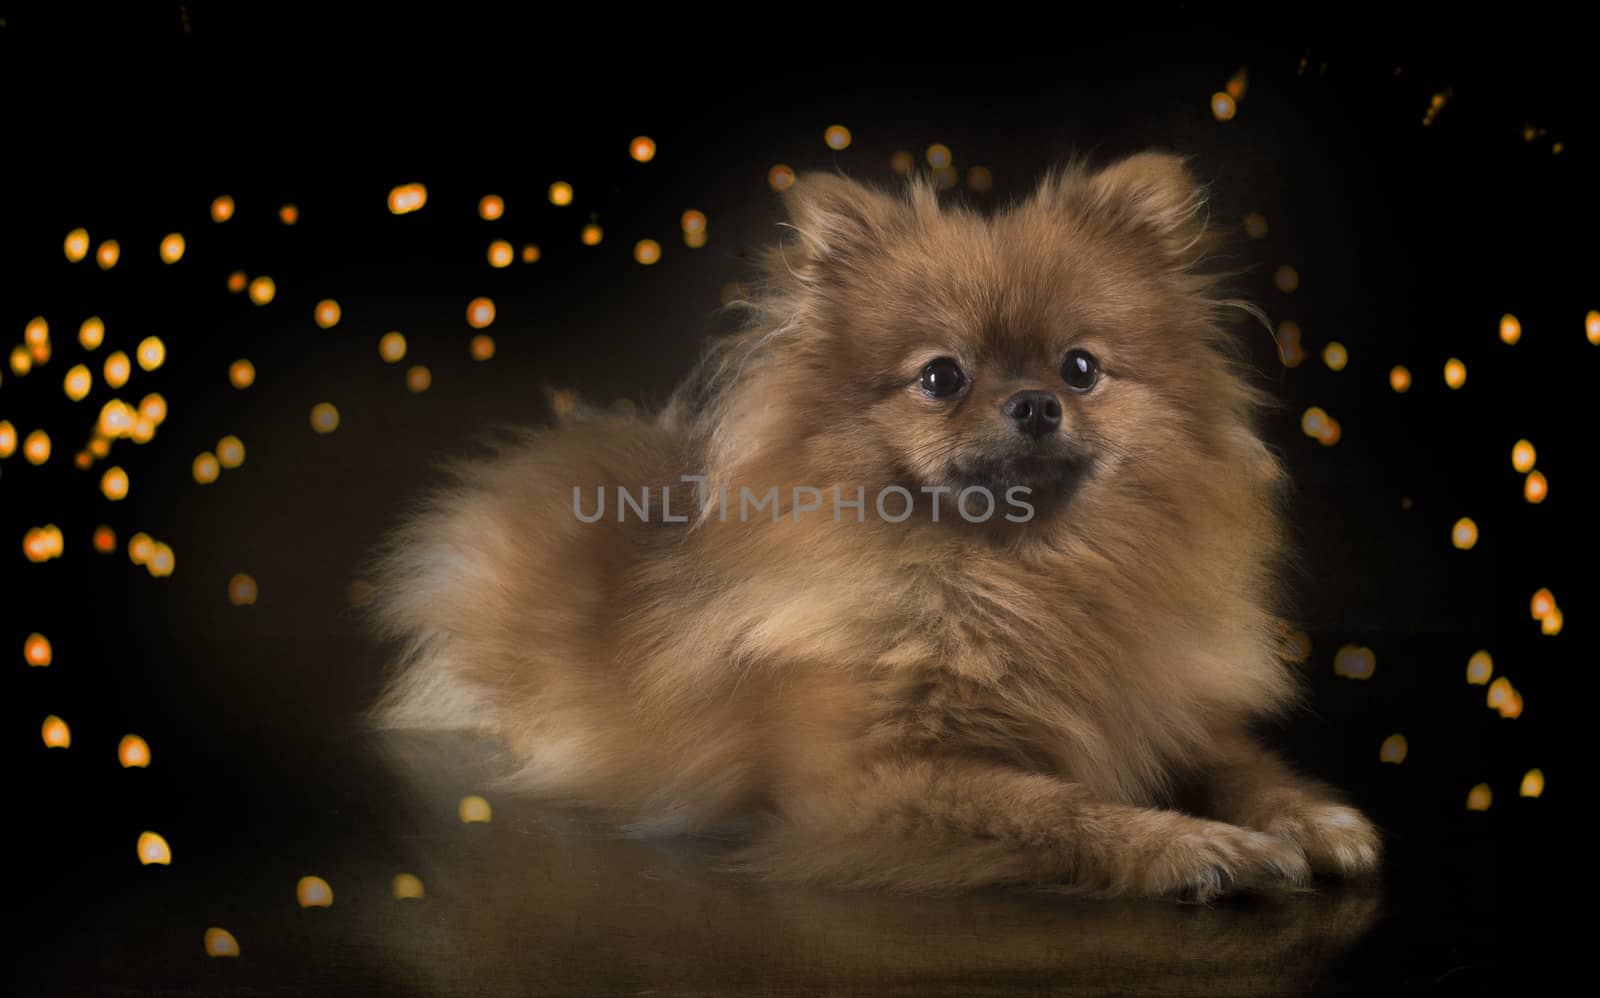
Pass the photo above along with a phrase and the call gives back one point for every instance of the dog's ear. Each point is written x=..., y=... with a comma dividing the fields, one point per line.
x=1150, y=195
x=836, y=219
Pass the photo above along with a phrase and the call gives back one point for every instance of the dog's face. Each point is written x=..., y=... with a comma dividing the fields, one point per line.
x=1054, y=346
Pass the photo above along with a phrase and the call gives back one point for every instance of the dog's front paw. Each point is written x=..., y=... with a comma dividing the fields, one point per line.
x=1338, y=840
x=1219, y=858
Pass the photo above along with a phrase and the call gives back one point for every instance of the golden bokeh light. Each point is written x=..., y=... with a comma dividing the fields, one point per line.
x=1591, y=327
x=642, y=148
x=1223, y=107
x=114, y=483
x=99, y=445
x=152, y=353
x=530, y=253
x=8, y=438
x=407, y=887
x=944, y=178
x=144, y=431
x=327, y=313
x=36, y=650
x=140, y=547
x=206, y=467
x=242, y=590
x=1550, y=624
x=241, y=373
x=418, y=378
x=153, y=849
x=392, y=347
x=162, y=561
x=263, y=289
x=1255, y=225
x=1464, y=534
x=837, y=137
x=313, y=892
x=1523, y=456
x=220, y=942
x=116, y=420
x=939, y=156
x=105, y=539
x=1543, y=602
x=780, y=178
x=154, y=408
x=1535, y=487
x=491, y=207
x=1400, y=379
x=289, y=214
x=480, y=313
x=693, y=221
x=1238, y=82
x=77, y=383
x=1393, y=750
x=108, y=254
x=1499, y=694
x=1335, y=356
x=646, y=252
x=92, y=333
x=21, y=360
x=117, y=369
x=1455, y=373
x=1479, y=798
x=979, y=179
x=40, y=544
x=230, y=451
x=407, y=198
x=76, y=245
x=1480, y=667
x=1533, y=783
x=324, y=417
x=237, y=280
x=1354, y=662
x=133, y=752
x=172, y=247
x=1286, y=278
x=56, y=733
x=1510, y=329
x=560, y=193
x=903, y=163
x=591, y=235
x=83, y=460
x=481, y=347
x=36, y=447
x=500, y=254
x=36, y=332
x=222, y=208
x=474, y=809
x=1314, y=421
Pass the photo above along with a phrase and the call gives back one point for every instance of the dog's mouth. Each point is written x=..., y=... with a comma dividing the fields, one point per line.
x=1050, y=480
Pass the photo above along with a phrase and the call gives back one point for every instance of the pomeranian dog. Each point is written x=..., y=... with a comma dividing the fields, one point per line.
x=1003, y=609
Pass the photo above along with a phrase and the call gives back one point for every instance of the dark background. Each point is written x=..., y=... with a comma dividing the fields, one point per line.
x=1410, y=242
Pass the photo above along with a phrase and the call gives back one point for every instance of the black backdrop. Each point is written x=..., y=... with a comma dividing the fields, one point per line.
x=1410, y=243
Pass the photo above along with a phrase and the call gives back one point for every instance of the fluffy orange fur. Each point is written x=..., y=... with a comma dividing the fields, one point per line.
x=919, y=705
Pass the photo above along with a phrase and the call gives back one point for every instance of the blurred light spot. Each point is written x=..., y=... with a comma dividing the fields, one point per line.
x=1296, y=646
x=1551, y=623
x=222, y=209
x=1535, y=488
x=480, y=313
x=99, y=444
x=530, y=253
x=289, y=214
x=1499, y=693
x=500, y=254
x=1255, y=225
x=491, y=207
x=780, y=178
x=1400, y=379
x=143, y=431
x=263, y=289
x=76, y=245
x=8, y=438
x=237, y=281
x=105, y=539
x=324, y=417
x=220, y=942
x=1479, y=798
x=154, y=408
x=902, y=163
x=140, y=548
x=418, y=378
x=327, y=313
x=561, y=193
x=82, y=460
x=117, y=369
x=36, y=332
x=1479, y=668
x=1223, y=107
x=733, y=291
x=40, y=544
x=152, y=353
x=1543, y=602
x=242, y=590
x=647, y=251
x=206, y=467
x=1455, y=373
x=230, y=451
x=36, y=650
x=694, y=221
x=1510, y=329
x=1436, y=104
x=1331, y=432
x=56, y=733
x=108, y=254
x=114, y=483
x=837, y=137
x=172, y=247
x=1354, y=662
x=133, y=752
x=591, y=235
x=1523, y=456
x=92, y=333
x=1591, y=327
x=392, y=347
x=1335, y=356
x=1238, y=82
x=21, y=360
x=36, y=448
x=939, y=156
x=944, y=178
x=77, y=383
x=162, y=561
x=1533, y=783
x=154, y=849
x=474, y=809
x=407, y=887
x=482, y=346
x=313, y=892
x=1313, y=420
x=980, y=180
x=1286, y=278
x=241, y=373
x=563, y=402
x=1464, y=534
x=1393, y=750
x=407, y=198
x=642, y=148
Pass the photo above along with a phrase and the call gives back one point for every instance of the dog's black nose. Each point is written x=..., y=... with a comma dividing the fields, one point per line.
x=1036, y=413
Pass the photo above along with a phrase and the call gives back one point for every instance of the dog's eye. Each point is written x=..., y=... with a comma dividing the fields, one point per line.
x=942, y=378
x=1080, y=370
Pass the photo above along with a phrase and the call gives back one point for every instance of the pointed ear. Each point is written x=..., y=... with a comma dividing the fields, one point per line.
x=836, y=218
x=1151, y=194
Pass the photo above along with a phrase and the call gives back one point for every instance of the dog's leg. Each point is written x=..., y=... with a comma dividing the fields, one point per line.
x=1246, y=785
x=931, y=825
